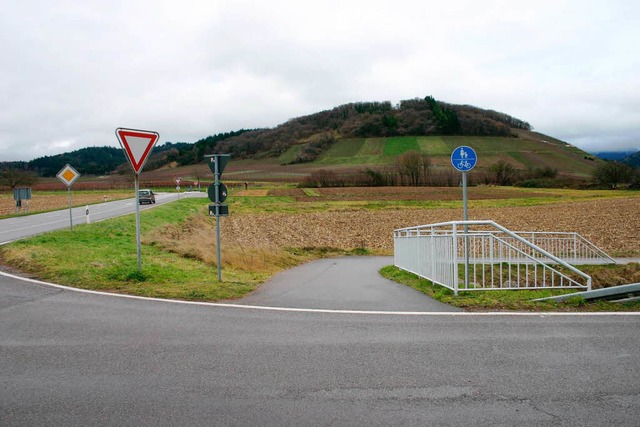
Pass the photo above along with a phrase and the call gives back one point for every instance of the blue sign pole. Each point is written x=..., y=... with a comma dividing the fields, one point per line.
x=464, y=159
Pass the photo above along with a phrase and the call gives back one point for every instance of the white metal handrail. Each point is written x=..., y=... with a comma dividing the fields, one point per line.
x=473, y=255
x=569, y=246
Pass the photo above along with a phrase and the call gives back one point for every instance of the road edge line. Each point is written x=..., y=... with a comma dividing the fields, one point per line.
x=319, y=310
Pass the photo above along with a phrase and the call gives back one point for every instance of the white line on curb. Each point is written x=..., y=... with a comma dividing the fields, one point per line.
x=317, y=310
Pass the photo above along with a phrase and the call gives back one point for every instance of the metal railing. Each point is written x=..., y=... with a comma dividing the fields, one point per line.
x=570, y=247
x=476, y=255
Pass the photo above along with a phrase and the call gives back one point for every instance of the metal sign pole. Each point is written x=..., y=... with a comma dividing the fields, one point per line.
x=466, y=230
x=464, y=196
x=137, y=145
x=216, y=175
x=137, y=184
x=464, y=159
x=70, y=213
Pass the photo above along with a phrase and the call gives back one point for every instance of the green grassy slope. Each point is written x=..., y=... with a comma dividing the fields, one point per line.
x=528, y=151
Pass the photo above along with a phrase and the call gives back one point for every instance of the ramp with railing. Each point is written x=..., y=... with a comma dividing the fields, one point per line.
x=477, y=255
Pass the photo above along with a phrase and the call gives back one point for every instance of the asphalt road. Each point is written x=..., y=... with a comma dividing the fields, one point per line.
x=24, y=226
x=75, y=358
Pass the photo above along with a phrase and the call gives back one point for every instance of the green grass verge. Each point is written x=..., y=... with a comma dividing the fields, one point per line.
x=102, y=256
x=515, y=300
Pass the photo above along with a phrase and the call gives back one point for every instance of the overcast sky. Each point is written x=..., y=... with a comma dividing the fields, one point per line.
x=71, y=72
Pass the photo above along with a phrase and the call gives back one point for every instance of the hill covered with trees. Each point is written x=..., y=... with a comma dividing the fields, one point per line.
x=414, y=117
x=315, y=132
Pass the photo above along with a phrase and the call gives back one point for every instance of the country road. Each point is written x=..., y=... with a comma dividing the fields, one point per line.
x=29, y=225
x=79, y=358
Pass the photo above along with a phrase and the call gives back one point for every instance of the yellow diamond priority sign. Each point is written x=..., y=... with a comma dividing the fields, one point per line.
x=68, y=175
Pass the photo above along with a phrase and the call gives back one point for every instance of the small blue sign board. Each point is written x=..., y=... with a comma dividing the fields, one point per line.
x=464, y=158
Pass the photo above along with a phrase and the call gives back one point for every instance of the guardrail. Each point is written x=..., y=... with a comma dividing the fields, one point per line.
x=479, y=255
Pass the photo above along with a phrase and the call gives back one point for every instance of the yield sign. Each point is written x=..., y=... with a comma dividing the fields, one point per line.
x=137, y=145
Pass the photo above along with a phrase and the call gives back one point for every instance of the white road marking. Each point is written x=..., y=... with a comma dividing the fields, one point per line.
x=327, y=311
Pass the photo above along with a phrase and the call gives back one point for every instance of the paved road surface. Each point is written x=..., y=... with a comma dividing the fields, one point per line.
x=349, y=283
x=29, y=225
x=72, y=358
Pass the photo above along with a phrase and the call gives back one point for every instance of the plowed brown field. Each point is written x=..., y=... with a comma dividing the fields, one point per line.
x=611, y=224
x=45, y=201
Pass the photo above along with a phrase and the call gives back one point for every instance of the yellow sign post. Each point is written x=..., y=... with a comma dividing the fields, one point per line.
x=68, y=175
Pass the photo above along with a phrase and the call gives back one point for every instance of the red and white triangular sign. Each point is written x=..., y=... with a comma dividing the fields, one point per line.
x=137, y=145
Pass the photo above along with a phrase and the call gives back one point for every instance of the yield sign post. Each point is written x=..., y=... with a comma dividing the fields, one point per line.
x=68, y=175
x=137, y=145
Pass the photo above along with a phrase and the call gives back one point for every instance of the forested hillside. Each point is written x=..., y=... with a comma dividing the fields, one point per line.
x=314, y=133
x=87, y=161
x=414, y=117
x=633, y=160
x=98, y=160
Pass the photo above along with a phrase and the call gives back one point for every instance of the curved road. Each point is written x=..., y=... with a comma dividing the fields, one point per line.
x=72, y=357
x=77, y=358
x=29, y=225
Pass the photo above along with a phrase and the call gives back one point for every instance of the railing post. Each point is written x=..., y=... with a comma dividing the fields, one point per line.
x=455, y=259
x=432, y=248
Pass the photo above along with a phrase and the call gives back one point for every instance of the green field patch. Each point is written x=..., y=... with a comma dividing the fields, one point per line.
x=354, y=151
x=490, y=144
x=399, y=145
x=521, y=158
x=553, y=159
x=345, y=148
x=372, y=147
x=433, y=146
x=342, y=152
x=291, y=154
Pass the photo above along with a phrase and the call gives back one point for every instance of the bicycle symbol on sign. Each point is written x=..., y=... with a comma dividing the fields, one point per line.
x=464, y=165
x=464, y=158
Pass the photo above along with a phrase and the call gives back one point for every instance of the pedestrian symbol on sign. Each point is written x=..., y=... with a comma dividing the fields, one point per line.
x=464, y=158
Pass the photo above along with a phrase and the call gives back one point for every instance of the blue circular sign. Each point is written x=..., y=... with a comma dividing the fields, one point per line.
x=464, y=158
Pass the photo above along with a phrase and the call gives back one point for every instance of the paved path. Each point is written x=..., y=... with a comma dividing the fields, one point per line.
x=347, y=283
